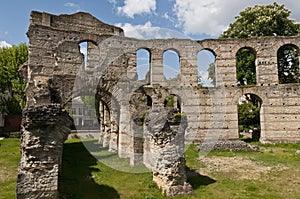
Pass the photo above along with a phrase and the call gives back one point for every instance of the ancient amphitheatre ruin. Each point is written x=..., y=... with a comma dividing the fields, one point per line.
x=54, y=76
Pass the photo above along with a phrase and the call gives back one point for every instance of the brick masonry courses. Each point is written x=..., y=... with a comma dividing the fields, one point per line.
x=54, y=75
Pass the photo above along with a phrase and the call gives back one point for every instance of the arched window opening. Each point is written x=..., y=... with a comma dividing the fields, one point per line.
x=90, y=52
x=142, y=64
x=249, y=106
x=206, y=68
x=171, y=64
x=83, y=50
x=245, y=67
x=288, y=64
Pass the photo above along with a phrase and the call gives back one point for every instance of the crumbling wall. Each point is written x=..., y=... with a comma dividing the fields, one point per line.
x=54, y=75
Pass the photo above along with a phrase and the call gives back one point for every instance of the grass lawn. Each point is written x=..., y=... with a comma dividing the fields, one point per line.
x=9, y=160
x=274, y=172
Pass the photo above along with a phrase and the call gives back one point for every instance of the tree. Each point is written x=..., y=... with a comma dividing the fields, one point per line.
x=12, y=85
x=212, y=73
x=245, y=67
x=262, y=20
x=288, y=64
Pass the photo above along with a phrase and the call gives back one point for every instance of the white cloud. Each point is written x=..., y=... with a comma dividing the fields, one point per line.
x=112, y=1
x=147, y=31
x=4, y=44
x=168, y=17
x=133, y=7
x=71, y=5
x=213, y=17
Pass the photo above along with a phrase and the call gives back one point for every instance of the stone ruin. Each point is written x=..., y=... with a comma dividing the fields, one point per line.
x=54, y=75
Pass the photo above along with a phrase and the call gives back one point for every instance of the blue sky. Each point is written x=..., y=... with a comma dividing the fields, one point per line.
x=197, y=19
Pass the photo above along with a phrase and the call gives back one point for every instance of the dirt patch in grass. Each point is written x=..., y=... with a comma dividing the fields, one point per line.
x=241, y=168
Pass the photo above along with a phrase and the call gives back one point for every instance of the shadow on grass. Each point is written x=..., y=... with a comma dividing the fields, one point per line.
x=197, y=180
x=76, y=180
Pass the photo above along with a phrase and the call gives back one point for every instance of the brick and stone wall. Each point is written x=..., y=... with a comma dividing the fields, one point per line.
x=55, y=74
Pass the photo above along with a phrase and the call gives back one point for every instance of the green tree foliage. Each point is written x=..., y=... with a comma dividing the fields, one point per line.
x=245, y=67
x=12, y=85
x=288, y=64
x=212, y=73
x=91, y=103
x=262, y=20
x=248, y=112
x=248, y=116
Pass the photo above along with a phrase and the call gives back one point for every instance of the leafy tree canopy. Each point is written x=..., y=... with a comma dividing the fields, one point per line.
x=12, y=85
x=262, y=20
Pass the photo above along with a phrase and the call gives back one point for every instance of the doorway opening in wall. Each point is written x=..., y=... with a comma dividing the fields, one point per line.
x=206, y=68
x=249, y=106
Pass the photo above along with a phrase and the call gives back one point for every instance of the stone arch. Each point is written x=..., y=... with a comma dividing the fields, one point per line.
x=246, y=66
x=288, y=64
x=171, y=64
x=55, y=60
x=91, y=53
x=206, y=59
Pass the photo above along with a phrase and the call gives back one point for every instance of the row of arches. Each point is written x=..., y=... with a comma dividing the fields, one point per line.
x=287, y=59
x=287, y=65
x=171, y=65
x=246, y=64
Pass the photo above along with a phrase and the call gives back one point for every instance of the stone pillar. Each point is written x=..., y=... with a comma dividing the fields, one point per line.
x=107, y=125
x=124, y=131
x=165, y=139
x=131, y=67
x=138, y=143
x=113, y=142
x=101, y=113
x=44, y=130
x=167, y=154
x=156, y=70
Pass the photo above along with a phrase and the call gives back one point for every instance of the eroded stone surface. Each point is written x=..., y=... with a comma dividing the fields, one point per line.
x=55, y=73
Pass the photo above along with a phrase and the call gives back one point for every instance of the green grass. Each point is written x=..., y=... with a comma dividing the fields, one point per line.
x=83, y=176
x=9, y=159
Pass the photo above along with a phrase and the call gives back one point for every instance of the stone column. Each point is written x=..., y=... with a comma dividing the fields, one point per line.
x=101, y=113
x=113, y=142
x=138, y=143
x=156, y=70
x=107, y=125
x=44, y=130
x=167, y=155
x=124, y=131
x=165, y=139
